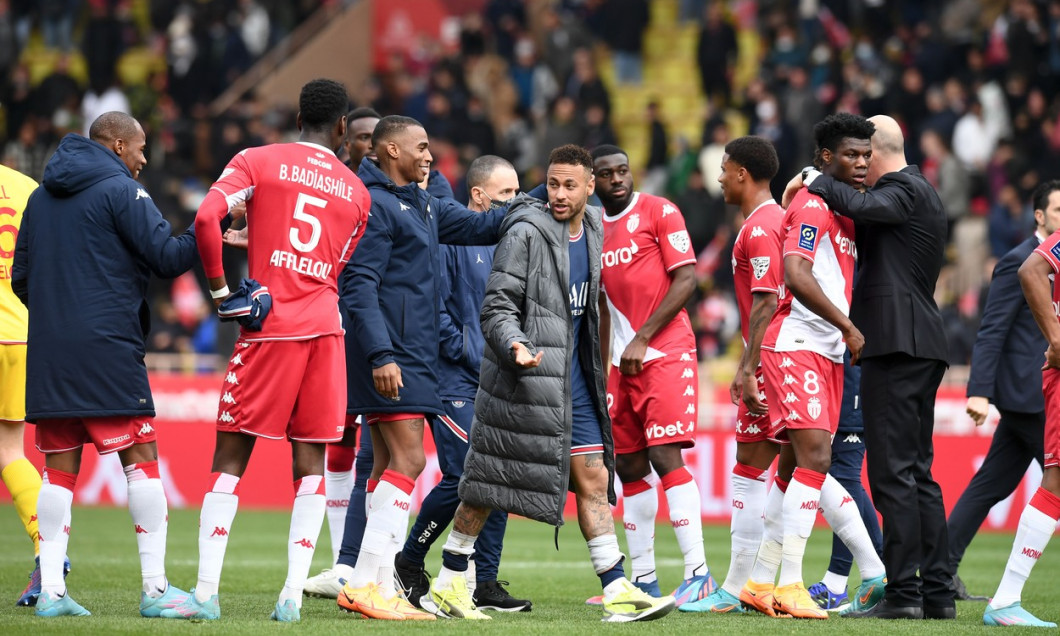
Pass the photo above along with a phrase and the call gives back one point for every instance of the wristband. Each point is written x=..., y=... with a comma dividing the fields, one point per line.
x=219, y=293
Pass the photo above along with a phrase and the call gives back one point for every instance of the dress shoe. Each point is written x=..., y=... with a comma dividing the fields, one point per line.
x=940, y=612
x=960, y=592
x=884, y=609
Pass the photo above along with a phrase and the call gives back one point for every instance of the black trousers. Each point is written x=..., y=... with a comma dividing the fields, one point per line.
x=899, y=410
x=1018, y=440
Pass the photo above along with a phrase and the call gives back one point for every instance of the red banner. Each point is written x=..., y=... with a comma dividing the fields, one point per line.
x=187, y=408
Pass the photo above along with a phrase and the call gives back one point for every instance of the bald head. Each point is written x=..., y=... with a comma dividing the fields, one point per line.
x=888, y=148
x=113, y=125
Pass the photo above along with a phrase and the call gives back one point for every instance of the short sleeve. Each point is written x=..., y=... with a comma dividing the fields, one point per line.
x=806, y=224
x=674, y=242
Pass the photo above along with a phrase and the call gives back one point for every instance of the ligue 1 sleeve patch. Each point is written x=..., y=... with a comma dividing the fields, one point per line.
x=807, y=237
x=760, y=265
x=1055, y=251
x=679, y=240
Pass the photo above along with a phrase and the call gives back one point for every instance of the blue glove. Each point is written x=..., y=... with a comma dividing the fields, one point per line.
x=249, y=305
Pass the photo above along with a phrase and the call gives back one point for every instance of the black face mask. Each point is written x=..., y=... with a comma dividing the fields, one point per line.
x=494, y=204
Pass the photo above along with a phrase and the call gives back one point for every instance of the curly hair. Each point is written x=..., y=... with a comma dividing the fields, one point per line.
x=571, y=155
x=835, y=128
x=756, y=154
x=322, y=103
x=607, y=150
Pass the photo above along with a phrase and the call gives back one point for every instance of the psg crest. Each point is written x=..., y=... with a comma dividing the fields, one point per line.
x=679, y=240
x=760, y=265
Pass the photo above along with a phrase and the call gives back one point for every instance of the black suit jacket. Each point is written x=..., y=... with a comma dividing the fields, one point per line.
x=1007, y=359
x=901, y=237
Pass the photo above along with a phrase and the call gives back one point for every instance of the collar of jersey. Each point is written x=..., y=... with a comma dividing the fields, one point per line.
x=632, y=204
x=317, y=146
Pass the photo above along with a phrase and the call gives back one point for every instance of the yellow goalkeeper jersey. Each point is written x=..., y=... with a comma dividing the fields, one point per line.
x=15, y=189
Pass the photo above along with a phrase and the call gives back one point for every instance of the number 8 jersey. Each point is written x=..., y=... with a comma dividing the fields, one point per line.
x=305, y=213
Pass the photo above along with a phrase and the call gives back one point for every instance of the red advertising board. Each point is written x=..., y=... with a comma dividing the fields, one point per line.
x=187, y=407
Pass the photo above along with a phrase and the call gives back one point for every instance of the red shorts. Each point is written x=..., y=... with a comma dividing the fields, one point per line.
x=108, y=434
x=377, y=418
x=1051, y=389
x=804, y=390
x=753, y=428
x=292, y=388
x=657, y=406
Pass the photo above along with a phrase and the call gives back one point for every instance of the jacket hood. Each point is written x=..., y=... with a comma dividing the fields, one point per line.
x=528, y=209
x=373, y=177
x=79, y=163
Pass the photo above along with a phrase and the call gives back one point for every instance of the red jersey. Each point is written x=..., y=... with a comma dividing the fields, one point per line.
x=757, y=265
x=1050, y=251
x=305, y=213
x=814, y=232
x=642, y=245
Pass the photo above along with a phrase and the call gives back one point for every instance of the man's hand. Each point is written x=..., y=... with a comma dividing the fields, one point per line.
x=1052, y=358
x=632, y=361
x=751, y=399
x=855, y=342
x=523, y=358
x=236, y=238
x=387, y=379
x=734, y=389
x=977, y=408
x=790, y=190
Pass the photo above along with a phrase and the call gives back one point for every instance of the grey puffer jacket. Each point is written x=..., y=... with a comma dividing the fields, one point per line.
x=519, y=460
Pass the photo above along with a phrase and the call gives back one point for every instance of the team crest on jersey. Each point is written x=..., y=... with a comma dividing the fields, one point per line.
x=760, y=265
x=807, y=237
x=633, y=222
x=668, y=209
x=757, y=231
x=679, y=240
x=813, y=407
x=1056, y=251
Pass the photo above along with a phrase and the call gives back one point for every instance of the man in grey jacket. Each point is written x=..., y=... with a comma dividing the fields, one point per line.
x=541, y=418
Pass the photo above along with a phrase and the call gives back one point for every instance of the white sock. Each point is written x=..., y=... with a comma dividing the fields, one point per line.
x=801, y=502
x=769, y=553
x=745, y=530
x=215, y=524
x=337, y=489
x=386, y=570
x=342, y=571
x=456, y=543
x=1035, y=529
x=638, y=518
x=841, y=512
x=836, y=583
x=150, y=516
x=53, y=525
x=686, y=517
x=388, y=518
x=604, y=552
x=307, y=515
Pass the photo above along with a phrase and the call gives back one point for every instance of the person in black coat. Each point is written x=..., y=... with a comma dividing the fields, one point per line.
x=901, y=234
x=1005, y=372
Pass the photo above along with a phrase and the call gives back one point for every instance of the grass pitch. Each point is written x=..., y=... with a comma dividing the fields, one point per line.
x=105, y=579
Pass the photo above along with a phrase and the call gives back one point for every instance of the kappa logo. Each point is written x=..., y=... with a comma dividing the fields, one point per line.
x=218, y=531
x=852, y=438
x=227, y=398
x=679, y=240
x=403, y=206
x=226, y=417
x=231, y=378
x=685, y=357
x=812, y=203
x=142, y=194
x=753, y=430
x=668, y=209
x=793, y=416
x=305, y=543
x=689, y=390
x=757, y=231
x=789, y=379
x=786, y=363
x=791, y=398
x=633, y=223
x=807, y=237
x=146, y=429
x=846, y=499
x=237, y=359
x=478, y=258
x=690, y=409
x=813, y=408
x=760, y=265
x=687, y=373
x=140, y=529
